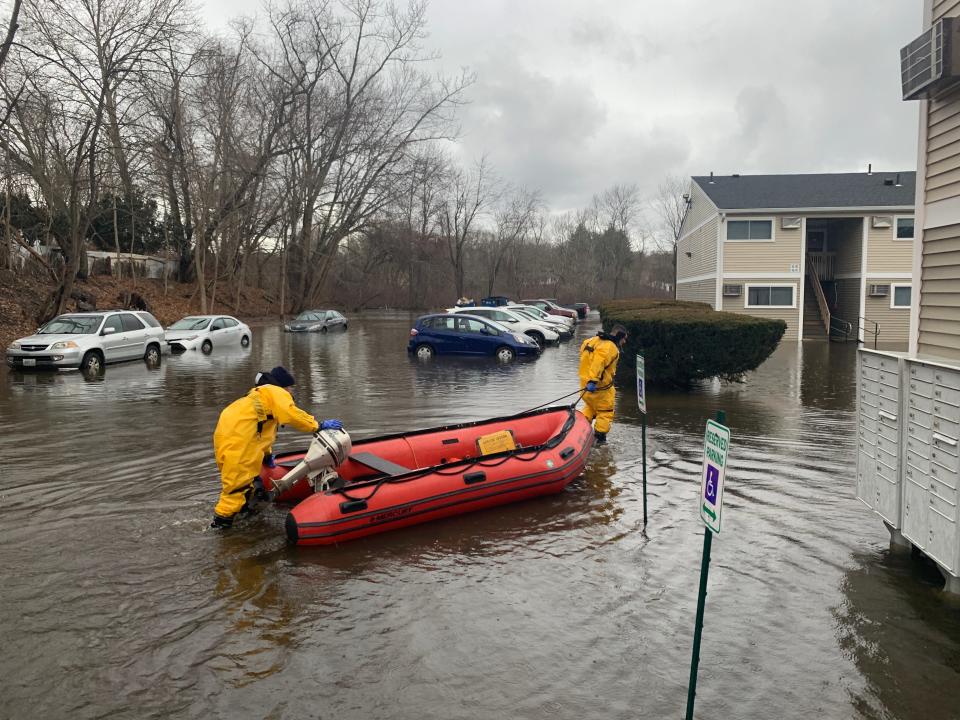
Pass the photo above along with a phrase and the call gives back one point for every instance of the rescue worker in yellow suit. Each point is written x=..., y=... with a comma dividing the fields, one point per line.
x=598, y=365
x=244, y=438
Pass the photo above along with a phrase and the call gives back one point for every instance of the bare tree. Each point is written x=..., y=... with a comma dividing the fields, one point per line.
x=469, y=196
x=670, y=206
x=512, y=221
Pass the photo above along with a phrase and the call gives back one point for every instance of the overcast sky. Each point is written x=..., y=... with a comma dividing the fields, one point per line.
x=572, y=96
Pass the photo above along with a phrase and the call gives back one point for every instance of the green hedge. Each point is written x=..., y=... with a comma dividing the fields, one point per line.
x=682, y=342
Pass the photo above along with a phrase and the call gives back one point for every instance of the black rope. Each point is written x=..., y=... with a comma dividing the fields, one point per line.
x=463, y=466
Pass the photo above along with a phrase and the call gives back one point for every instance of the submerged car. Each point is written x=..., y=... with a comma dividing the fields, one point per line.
x=466, y=334
x=316, y=321
x=552, y=308
x=203, y=332
x=561, y=324
x=540, y=332
x=89, y=341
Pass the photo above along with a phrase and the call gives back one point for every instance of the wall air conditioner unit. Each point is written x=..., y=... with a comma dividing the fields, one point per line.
x=732, y=290
x=790, y=223
x=879, y=290
x=931, y=63
x=881, y=221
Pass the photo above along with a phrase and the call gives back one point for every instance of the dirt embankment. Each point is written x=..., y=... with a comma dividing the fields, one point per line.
x=22, y=297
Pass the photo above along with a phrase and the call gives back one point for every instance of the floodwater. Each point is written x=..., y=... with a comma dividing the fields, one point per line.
x=119, y=601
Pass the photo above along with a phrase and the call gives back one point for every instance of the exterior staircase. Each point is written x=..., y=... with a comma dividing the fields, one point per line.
x=813, y=328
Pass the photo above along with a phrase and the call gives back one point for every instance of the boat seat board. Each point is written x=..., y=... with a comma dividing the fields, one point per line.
x=379, y=464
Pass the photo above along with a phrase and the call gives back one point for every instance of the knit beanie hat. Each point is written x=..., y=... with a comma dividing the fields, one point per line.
x=278, y=376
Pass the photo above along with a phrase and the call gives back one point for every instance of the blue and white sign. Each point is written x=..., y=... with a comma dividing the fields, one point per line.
x=716, y=443
x=641, y=385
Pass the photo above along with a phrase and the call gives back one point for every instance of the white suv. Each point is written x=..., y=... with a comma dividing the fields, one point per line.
x=89, y=341
x=540, y=332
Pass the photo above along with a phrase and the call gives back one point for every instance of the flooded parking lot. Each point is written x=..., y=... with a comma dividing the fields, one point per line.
x=122, y=603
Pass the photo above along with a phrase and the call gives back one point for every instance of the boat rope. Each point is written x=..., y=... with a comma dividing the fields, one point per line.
x=464, y=465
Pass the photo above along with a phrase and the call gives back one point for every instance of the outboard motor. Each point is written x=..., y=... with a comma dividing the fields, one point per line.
x=327, y=451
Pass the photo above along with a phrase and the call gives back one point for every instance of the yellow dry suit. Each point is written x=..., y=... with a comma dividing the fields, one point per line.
x=245, y=433
x=598, y=362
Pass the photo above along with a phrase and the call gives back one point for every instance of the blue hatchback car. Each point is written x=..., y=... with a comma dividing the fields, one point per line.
x=463, y=334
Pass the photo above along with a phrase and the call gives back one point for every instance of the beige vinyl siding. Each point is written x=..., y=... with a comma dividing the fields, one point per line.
x=763, y=256
x=939, y=331
x=701, y=208
x=845, y=300
x=885, y=253
x=846, y=241
x=702, y=246
x=790, y=315
x=943, y=147
x=704, y=291
x=894, y=322
x=945, y=8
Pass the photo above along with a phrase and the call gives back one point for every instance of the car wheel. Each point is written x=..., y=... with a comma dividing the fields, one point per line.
x=344, y=326
x=206, y=347
x=537, y=338
x=244, y=341
x=505, y=354
x=323, y=329
x=152, y=355
x=425, y=352
x=92, y=362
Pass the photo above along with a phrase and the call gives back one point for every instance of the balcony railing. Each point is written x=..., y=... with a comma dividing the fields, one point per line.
x=821, y=264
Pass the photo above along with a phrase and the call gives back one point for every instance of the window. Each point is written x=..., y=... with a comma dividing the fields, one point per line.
x=230, y=322
x=218, y=324
x=113, y=322
x=905, y=228
x=148, y=319
x=501, y=316
x=770, y=296
x=469, y=325
x=131, y=322
x=750, y=230
x=901, y=296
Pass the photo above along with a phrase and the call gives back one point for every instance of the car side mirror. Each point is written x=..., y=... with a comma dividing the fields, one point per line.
x=485, y=331
x=108, y=331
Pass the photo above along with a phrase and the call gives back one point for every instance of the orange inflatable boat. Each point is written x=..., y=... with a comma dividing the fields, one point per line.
x=410, y=478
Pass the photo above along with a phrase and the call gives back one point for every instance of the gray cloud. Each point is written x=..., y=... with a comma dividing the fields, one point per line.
x=571, y=98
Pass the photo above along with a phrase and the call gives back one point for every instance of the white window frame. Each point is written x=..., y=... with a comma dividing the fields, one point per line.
x=771, y=219
x=893, y=295
x=896, y=221
x=748, y=286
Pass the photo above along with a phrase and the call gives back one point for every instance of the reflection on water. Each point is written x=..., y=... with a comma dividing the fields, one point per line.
x=122, y=603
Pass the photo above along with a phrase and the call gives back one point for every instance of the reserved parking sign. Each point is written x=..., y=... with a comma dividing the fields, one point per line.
x=716, y=443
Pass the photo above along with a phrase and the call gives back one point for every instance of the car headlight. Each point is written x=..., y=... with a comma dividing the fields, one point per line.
x=189, y=338
x=522, y=339
x=14, y=346
x=63, y=345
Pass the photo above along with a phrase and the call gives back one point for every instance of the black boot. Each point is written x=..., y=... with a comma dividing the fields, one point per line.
x=599, y=438
x=221, y=523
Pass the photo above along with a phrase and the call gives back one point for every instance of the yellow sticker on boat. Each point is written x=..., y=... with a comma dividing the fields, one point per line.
x=500, y=441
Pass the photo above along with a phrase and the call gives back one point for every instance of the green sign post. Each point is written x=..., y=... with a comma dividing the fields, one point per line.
x=716, y=443
x=642, y=404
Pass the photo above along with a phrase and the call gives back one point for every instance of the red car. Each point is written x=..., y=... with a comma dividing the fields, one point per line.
x=551, y=308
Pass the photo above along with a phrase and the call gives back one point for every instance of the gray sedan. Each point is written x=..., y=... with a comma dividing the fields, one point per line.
x=316, y=321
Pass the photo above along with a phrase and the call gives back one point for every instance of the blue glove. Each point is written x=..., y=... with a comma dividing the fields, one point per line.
x=592, y=386
x=331, y=425
x=269, y=460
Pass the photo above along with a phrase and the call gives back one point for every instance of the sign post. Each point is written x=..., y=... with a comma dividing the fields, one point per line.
x=716, y=443
x=642, y=404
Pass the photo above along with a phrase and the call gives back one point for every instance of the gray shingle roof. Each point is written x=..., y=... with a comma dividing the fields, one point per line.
x=825, y=190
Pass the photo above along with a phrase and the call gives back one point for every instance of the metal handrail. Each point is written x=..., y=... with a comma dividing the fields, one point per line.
x=821, y=301
x=862, y=326
x=840, y=327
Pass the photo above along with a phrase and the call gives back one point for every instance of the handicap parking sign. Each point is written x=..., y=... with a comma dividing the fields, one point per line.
x=716, y=443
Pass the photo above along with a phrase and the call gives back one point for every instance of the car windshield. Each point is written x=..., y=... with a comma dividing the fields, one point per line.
x=72, y=325
x=525, y=314
x=190, y=323
x=308, y=317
